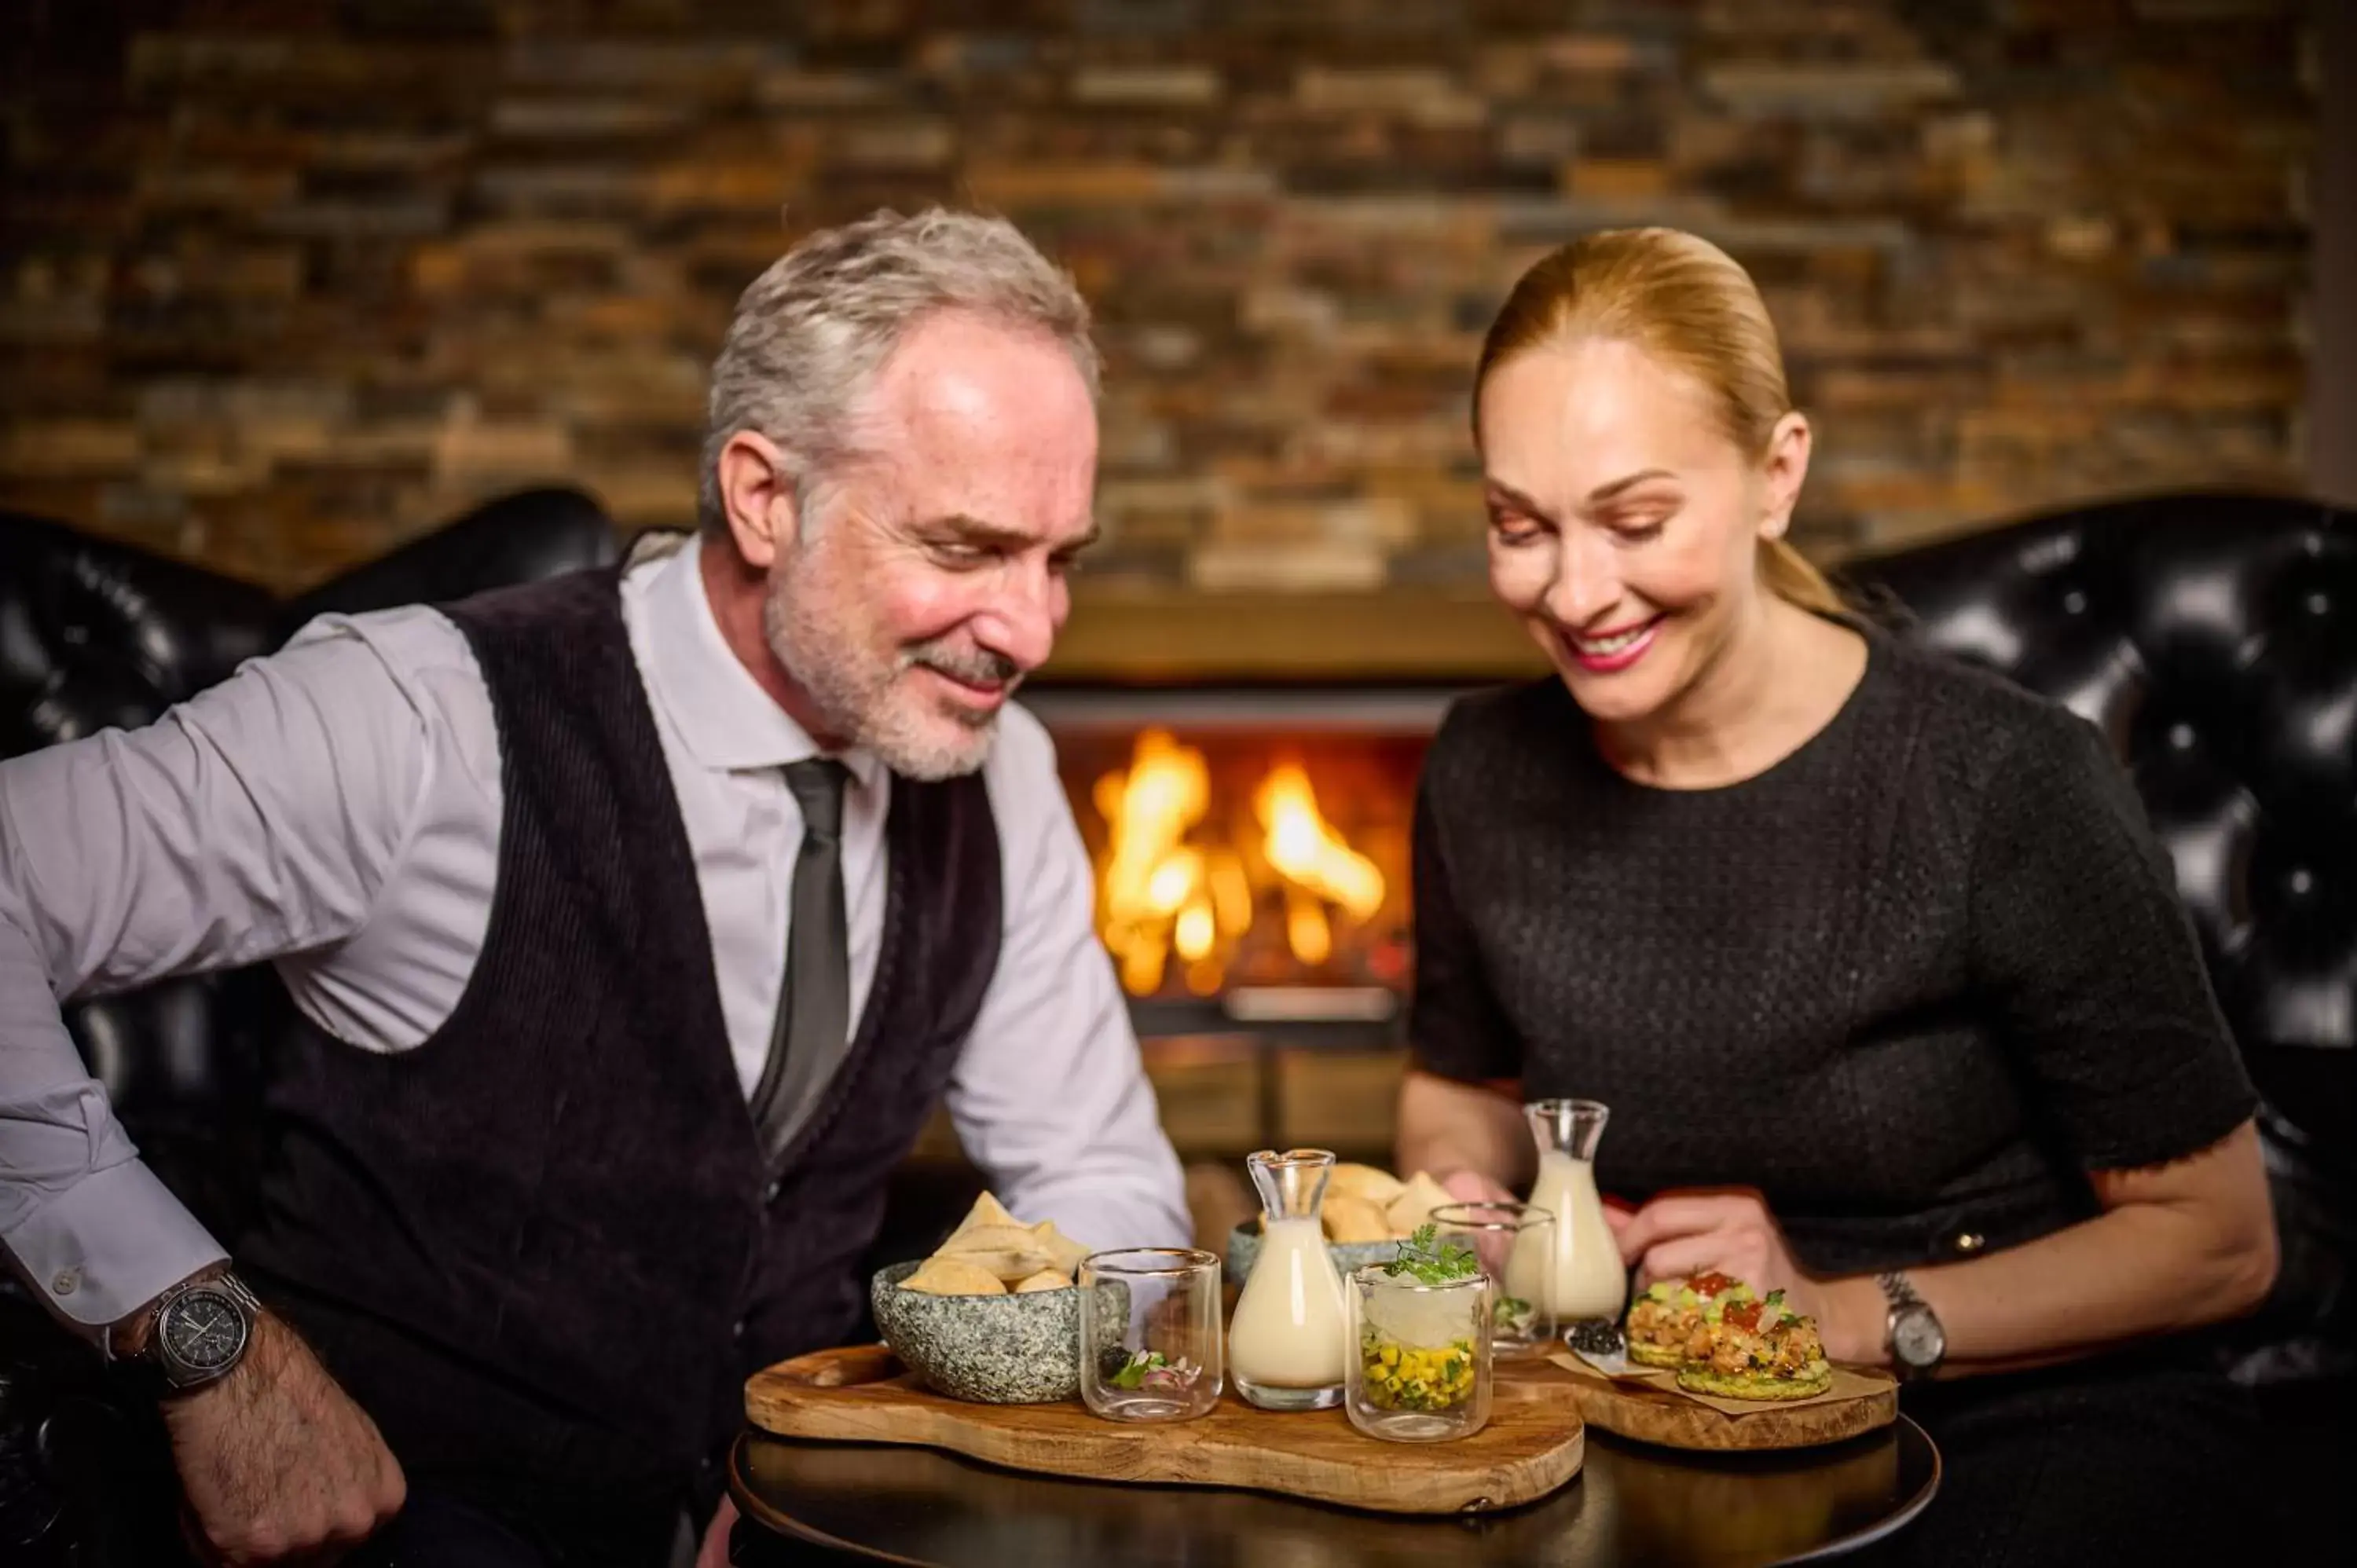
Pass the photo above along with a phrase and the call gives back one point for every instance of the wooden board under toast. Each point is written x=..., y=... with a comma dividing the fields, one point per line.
x=1534, y=1442
x=1655, y=1411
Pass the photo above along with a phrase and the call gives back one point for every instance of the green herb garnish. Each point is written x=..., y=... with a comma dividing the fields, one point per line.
x=1149, y=1369
x=1431, y=1266
x=1512, y=1313
x=1132, y=1372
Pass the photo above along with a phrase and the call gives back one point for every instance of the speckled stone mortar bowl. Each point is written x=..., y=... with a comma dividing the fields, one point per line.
x=1243, y=1250
x=993, y=1349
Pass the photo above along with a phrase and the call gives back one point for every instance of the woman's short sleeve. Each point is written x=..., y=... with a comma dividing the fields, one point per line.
x=2080, y=940
x=1455, y=1027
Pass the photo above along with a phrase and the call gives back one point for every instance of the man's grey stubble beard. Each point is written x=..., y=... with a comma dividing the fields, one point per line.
x=862, y=707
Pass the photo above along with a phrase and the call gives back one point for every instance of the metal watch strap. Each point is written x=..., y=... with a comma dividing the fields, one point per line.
x=228, y=1285
x=150, y=1359
x=1899, y=1291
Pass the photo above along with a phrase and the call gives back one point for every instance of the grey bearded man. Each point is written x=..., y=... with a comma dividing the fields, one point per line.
x=635, y=920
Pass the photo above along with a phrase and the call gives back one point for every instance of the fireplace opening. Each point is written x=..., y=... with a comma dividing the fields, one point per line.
x=1261, y=1032
x=1250, y=846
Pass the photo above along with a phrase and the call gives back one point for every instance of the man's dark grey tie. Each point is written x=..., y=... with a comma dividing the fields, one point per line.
x=812, y=1029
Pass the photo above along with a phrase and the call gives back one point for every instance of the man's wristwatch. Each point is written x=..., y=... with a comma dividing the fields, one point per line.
x=197, y=1332
x=1917, y=1342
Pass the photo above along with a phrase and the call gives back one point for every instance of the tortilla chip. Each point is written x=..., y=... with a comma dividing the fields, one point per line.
x=1353, y=1220
x=1063, y=1253
x=1046, y=1279
x=1363, y=1182
x=1010, y=1251
x=986, y=1210
x=953, y=1277
x=1415, y=1203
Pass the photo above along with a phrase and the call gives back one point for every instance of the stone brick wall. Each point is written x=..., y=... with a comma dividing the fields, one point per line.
x=285, y=280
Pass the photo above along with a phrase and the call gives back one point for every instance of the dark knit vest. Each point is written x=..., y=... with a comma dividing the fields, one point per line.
x=543, y=1244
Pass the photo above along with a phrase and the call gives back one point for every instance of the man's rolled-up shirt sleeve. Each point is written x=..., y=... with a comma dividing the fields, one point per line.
x=254, y=820
x=1050, y=1098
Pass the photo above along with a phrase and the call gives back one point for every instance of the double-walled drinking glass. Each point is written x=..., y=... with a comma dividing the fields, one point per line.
x=1151, y=1343
x=1419, y=1365
x=1515, y=1243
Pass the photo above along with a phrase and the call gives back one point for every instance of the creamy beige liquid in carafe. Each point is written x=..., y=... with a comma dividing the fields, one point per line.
x=1575, y=1272
x=1289, y=1330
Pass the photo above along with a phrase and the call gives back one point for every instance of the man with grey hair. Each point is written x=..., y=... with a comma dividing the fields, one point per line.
x=635, y=920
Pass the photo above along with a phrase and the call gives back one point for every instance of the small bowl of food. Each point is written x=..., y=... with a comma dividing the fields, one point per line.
x=993, y=1314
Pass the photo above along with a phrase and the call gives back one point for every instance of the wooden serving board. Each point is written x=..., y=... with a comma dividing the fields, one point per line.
x=1860, y=1401
x=1531, y=1446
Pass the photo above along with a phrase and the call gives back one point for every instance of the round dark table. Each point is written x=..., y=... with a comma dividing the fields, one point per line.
x=1630, y=1504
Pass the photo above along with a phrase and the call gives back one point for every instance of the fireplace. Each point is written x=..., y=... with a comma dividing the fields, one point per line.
x=1242, y=770
x=1251, y=848
x=1249, y=832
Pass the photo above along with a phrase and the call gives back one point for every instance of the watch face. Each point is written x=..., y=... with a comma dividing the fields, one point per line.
x=202, y=1331
x=1917, y=1340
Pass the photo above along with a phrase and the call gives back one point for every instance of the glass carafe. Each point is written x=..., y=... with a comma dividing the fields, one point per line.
x=1288, y=1341
x=1577, y=1272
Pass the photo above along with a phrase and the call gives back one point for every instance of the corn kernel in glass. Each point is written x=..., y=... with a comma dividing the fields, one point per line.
x=1420, y=1367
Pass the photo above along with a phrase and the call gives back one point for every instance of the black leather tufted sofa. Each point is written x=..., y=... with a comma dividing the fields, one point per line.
x=95, y=634
x=2213, y=638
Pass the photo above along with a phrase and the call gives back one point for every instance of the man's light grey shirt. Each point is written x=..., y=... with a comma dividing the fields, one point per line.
x=335, y=807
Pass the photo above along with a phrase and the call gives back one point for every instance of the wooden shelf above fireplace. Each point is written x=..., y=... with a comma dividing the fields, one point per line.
x=1120, y=632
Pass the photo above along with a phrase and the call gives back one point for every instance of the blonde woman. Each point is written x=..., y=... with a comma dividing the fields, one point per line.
x=1871, y=954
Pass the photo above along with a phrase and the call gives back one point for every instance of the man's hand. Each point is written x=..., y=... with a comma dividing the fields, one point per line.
x=278, y=1464
x=1733, y=1233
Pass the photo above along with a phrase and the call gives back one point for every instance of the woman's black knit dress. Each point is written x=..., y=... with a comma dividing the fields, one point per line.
x=1911, y=984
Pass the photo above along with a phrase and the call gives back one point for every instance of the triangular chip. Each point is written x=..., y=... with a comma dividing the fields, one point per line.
x=1365, y=1182
x=953, y=1277
x=1415, y=1203
x=986, y=1210
x=1063, y=1253
x=1046, y=1279
x=1010, y=1251
x=1350, y=1219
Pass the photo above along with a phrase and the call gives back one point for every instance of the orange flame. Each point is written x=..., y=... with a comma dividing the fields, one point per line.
x=1150, y=877
x=1160, y=893
x=1310, y=853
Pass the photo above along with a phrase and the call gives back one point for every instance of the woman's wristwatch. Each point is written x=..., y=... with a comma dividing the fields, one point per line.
x=1917, y=1342
x=196, y=1334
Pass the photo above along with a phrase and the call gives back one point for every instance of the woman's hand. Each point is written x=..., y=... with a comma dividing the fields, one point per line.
x=715, y=1552
x=1734, y=1234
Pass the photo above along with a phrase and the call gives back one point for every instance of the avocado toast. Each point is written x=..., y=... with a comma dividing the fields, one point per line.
x=1663, y=1322
x=1755, y=1350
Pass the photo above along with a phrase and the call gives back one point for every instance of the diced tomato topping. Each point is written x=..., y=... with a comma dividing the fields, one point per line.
x=1743, y=1315
x=1709, y=1284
